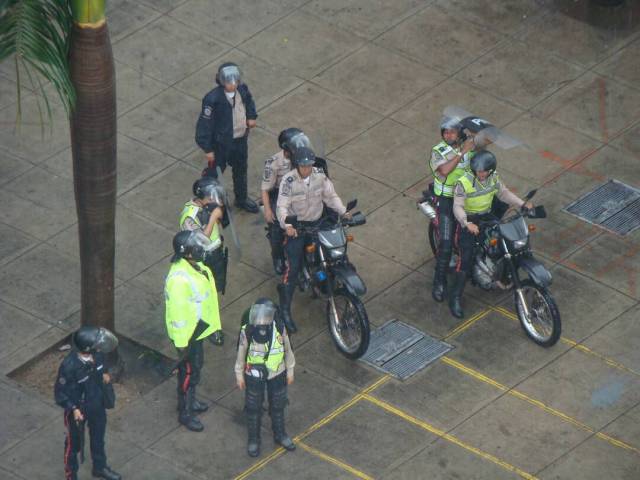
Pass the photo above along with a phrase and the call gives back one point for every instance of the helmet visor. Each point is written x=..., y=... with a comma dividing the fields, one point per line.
x=449, y=123
x=299, y=140
x=201, y=242
x=215, y=193
x=229, y=74
x=261, y=314
x=105, y=341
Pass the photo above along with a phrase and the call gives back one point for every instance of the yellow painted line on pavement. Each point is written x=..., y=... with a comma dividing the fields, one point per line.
x=328, y=458
x=537, y=403
x=446, y=436
x=323, y=421
x=578, y=346
x=467, y=323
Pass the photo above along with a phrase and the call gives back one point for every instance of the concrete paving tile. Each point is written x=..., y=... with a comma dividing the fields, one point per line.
x=229, y=21
x=440, y=395
x=8, y=93
x=594, y=105
x=218, y=378
x=18, y=328
x=378, y=78
x=286, y=43
x=364, y=18
x=314, y=109
x=301, y=464
x=506, y=17
x=626, y=427
x=32, y=348
x=611, y=260
x=12, y=167
x=410, y=301
x=223, y=435
x=49, y=443
x=365, y=437
x=381, y=143
x=593, y=460
x=498, y=347
x=267, y=82
x=163, y=5
x=584, y=387
x=166, y=122
x=36, y=415
x=426, y=36
x=629, y=144
x=623, y=66
x=126, y=16
x=134, y=88
x=444, y=460
x=511, y=430
x=32, y=282
x=617, y=340
x=147, y=466
x=148, y=49
x=7, y=475
x=506, y=72
x=14, y=243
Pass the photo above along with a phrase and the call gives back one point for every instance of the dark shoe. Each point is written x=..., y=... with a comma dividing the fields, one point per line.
x=106, y=473
x=285, y=294
x=285, y=442
x=439, y=291
x=247, y=205
x=217, y=337
x=456, y=295
x=279, y=434
x=253, y=428
x=278, y=265
x=191, y=422
x=187, y=416
x=198, y=407
x=253, y=449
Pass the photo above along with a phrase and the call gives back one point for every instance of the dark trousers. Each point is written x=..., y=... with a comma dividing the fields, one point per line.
x=189, y=369
x=276, y=393
x=294, y=251
x=235, y=155
x=217, y=262
x=96, y=421
x=275, y=234
x=466, y=242
x=446, y=228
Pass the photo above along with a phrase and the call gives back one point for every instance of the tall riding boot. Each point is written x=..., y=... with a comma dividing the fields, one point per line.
x=439, y=290
x=456, y=294
x=286, y=293
x=186, y=416
x=196, y=405
x=279, y=434
x=253, y=427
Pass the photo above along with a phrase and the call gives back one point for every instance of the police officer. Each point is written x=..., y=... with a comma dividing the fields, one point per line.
x=265, y=358
x=191, y=315
x=79, y=390
x=303, y=193
x=206, y=213
x=228, y=113
x=474, y=194
x=449, y=161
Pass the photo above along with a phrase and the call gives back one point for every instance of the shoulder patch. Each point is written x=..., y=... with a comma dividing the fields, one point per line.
x=62, y=380
x=289, y=179
x=443, y=149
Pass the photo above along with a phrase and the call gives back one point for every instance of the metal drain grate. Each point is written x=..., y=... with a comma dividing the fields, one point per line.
x=402, y=350
x=613, y=206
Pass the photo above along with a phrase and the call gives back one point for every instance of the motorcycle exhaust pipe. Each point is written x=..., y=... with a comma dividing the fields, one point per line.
x=427, y=209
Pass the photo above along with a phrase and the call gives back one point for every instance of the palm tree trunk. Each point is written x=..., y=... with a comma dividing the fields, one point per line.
x=93, y=141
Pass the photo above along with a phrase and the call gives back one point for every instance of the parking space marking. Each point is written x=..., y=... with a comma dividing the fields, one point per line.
x=467, y=323
x=578, y=346
x=447, y=436
x=537, y=403
x=323, y=421
x=328, y=458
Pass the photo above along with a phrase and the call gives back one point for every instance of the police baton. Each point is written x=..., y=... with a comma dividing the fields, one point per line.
x=199, y=330
x=80, y=425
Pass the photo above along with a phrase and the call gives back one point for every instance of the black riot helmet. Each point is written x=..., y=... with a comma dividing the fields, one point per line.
x=484, y=161
x=303, y=157
x=291, y=139
x=209, y=188
x=228, y=73
x=90, y=339
x=191, y=244
x=449, y=123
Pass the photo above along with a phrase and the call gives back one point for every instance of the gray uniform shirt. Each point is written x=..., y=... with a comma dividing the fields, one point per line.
x=241, y=359
x=305, y=199
x=275, y=168
x=503, y=194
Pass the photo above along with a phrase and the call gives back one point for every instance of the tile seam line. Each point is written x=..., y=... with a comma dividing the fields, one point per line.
x=334, y=461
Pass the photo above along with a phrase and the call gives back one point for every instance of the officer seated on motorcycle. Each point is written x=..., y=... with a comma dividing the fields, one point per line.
x=474, y=196
x=206, y=212
x=303, y=193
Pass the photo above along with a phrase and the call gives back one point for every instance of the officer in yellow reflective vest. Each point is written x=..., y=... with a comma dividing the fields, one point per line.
x=206, y=213
x=190, y=296
x=449, y=161
x=473, y=203
x=265, y=358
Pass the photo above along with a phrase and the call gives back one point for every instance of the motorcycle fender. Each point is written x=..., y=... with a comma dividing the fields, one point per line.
x=536, y=270
x=351, y=280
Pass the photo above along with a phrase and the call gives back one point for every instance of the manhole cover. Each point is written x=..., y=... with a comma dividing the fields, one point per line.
x=401, y=350
x=613, y=206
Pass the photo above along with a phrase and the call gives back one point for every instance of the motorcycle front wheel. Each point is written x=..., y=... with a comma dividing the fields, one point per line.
x=348, y=324
x=542, y=324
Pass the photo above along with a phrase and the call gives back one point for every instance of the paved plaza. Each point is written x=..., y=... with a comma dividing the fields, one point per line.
x=371, y=78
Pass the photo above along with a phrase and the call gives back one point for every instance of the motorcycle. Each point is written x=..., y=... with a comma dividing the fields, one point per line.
x=502, y=253
x=328, y=273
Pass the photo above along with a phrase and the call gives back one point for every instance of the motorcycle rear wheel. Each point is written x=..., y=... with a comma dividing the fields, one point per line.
x=350, y=331
x=543, y=324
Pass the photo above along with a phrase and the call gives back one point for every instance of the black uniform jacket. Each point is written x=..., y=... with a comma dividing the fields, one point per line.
x=79, y=384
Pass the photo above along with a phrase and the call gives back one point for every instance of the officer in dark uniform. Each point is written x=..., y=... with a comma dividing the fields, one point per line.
x=265, y=359
x=228, y=113
x=79, y=389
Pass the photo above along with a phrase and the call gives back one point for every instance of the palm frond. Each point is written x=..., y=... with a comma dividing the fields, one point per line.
x=37, y=32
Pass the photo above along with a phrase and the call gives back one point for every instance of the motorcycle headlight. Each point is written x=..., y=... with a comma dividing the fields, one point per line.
x=519, y=244
x=337, y=252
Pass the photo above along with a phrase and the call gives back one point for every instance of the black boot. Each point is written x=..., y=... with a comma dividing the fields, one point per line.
x=196, y=405
x=278, y=264
x=456, y=295
x=279, y=434
x=187, y=416
x=105, y=473
x=286, y=294
x=439, y=290
x=253, y=427
x=247, y=205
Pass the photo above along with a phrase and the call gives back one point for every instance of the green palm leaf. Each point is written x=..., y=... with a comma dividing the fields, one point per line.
x=37, y=33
